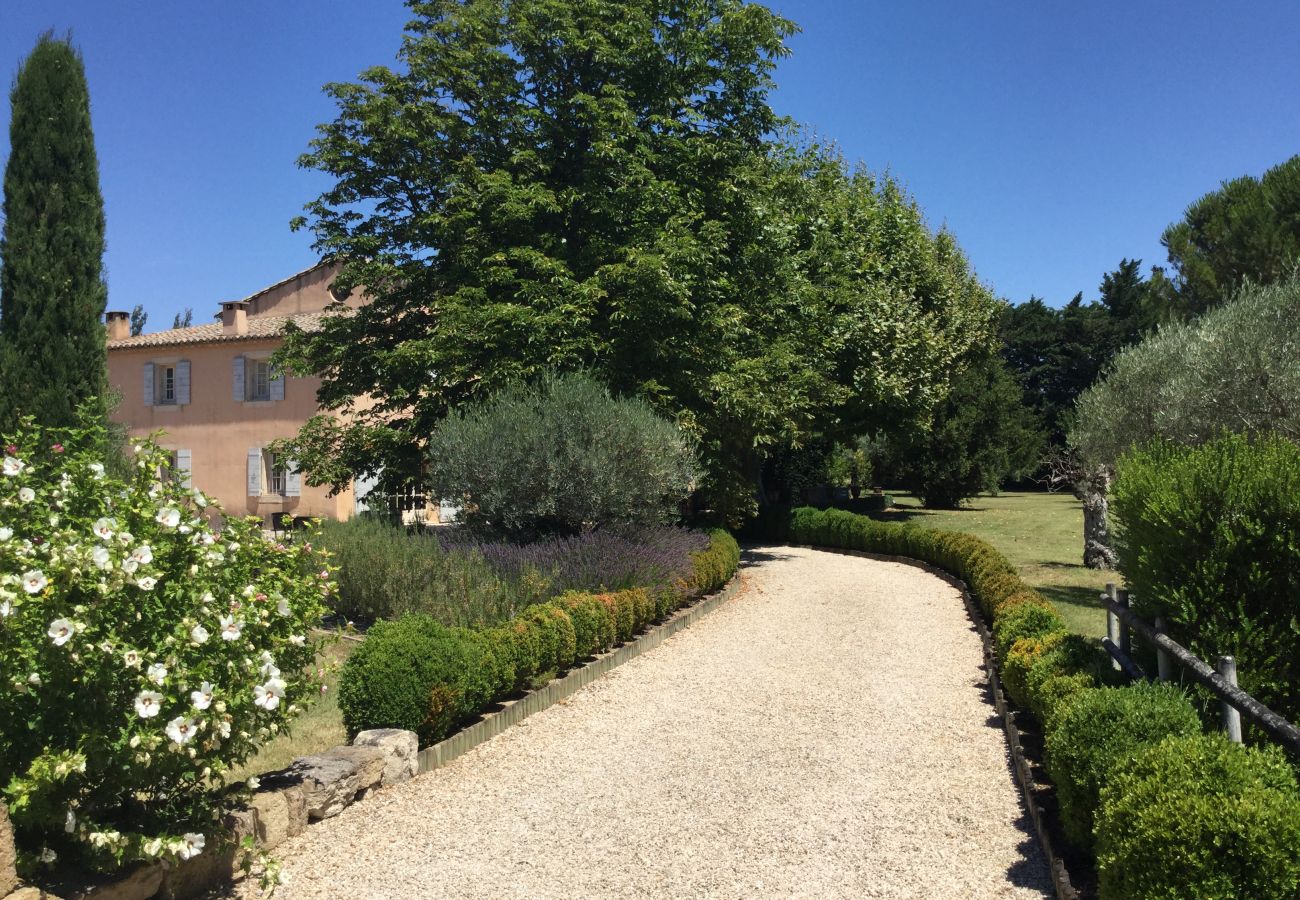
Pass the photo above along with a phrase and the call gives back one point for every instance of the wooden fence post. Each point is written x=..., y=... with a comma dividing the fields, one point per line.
x=1164, y=665
x=1112, y=622
x=1228, y=714
x=1125, y=633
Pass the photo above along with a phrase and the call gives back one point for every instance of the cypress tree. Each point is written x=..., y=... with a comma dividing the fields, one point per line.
x=52, y=289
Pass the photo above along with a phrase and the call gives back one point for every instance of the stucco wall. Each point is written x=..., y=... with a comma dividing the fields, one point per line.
x=303, y=293
x=217, y=430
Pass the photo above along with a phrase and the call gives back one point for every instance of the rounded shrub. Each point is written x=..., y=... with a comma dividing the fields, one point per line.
x=1097, y=733
x=591, y=623
x=560, y=456
x=416, y=674
x=1200, y=817
x=1024, y=621
x=555, y=635
x=1023, y=656
x=1019, y=598
x=1052, y=696
x=714, y=565
x=623, y=611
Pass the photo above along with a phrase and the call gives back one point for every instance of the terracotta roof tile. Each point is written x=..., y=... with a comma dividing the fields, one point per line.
x=259, y=327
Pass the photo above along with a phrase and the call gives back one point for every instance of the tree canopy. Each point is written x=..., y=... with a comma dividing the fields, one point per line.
x=602, y=184
x=1234, y=369
x=52, y=290
x=1249, y=229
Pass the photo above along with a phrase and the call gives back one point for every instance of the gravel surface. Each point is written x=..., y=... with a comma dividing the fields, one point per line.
x=826, y=733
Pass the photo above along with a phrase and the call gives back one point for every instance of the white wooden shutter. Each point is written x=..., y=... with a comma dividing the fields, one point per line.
x=292, y=479
x=183, y=467
x=183, y=382
x=277, y=386
x=254, y=471
x=239, y=380
x=148, y=384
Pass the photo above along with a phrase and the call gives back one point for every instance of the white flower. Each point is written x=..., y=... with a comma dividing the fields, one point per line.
x=202, y=698
x=143, y=554
x=181, y=730
x=48, y=855
x=6, y=533
x=103, y=528
x=270, y=671
x=249, y=590
x=129, y=566
x=27, y=495
x=6, y=608
x=132, y=659
x=193, y=846
x=268, y=695
x=254, y=783
x=101, y=558
x=224, y=729
x=96, y=469
x=34, y=581
x=199, y=500
x=154, y=846
x=13, y=466
x=70, y=822
x=60, y=631
x=157, y=673
x=147, y=704
x=230, y=629
x=169, y=517
x=297, y=640
x=282, y=607
x=146, y=583
x=199, y=634
x=34, y=678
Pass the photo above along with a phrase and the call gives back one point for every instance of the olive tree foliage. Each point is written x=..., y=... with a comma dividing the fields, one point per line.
x=1234, y=369
x=560, y=456
x=602, y=185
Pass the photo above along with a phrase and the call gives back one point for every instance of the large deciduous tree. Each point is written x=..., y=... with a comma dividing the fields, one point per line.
x=598, y=184
x=52, y=290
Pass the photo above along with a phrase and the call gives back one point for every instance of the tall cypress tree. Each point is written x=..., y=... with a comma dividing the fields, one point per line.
x=52, y=289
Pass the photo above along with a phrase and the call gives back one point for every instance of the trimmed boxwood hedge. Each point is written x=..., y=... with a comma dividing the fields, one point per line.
x=416, y=674
x=1156, y=827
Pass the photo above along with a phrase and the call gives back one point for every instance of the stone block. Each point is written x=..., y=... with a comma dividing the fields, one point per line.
x=368, y=760
x=329, y=783
x=401, y=751
x=8, y=854
x=30, y=893
x=272, y=811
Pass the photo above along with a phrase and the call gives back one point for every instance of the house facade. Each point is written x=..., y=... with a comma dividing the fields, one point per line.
x=213, y=393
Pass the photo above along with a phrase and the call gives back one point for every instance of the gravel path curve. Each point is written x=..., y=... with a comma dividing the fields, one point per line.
x=826, y=733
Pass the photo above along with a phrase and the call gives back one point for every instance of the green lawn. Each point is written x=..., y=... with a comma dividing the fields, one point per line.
x=1042, y=535
x=315, y=731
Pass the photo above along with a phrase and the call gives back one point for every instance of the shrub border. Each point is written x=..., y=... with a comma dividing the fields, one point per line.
x=515, y=711
x=1020, y=764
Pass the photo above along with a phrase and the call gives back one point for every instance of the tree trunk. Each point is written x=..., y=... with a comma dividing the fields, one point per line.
x=1091, y=489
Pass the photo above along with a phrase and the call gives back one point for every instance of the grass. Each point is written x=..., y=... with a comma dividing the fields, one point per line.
x=315, y=731
x=1042, y=535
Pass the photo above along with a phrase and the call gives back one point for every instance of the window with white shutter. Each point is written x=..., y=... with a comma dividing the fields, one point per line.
x=238, y=379
x=183, y=382
x=148, y=384
x=254, y=471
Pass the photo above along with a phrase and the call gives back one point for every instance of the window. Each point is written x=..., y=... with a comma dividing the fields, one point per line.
x=166, y=382
x=259, y=379
x=277, y=475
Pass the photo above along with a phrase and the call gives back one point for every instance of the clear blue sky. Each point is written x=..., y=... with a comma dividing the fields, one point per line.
x=1054, y=138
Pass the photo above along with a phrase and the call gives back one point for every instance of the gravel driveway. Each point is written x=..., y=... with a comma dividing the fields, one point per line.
x=823, y=734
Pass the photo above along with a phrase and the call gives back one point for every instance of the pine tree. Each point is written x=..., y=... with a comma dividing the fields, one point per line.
x=52, y=289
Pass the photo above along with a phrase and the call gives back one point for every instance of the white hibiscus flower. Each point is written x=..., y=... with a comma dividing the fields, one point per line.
x=101, y=558
x=13, y=466
x=268, y=695
x=282, y=607
x=146, y=583
x=34, y=581
x=157, y=673
x=181, y=730
x=70, y=822
x=148, y=704
x=6, y=533
x=202, y=698
x=199, y=634
x=230, y=629
x=297, y=640
x=168, y=517
x=26, y=494
x=132, y=659
x=96, y=469
x=129, y=566
x=224, y=729
x=60, y=631
x=193, y=846
x=104, y=528
x=6, y=608
x=142, y=554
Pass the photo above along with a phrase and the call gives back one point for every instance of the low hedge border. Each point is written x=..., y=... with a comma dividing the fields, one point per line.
x=418, y=675
x=1052, y=672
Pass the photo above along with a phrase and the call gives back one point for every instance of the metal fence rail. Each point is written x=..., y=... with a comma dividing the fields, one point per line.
x=1234, y=702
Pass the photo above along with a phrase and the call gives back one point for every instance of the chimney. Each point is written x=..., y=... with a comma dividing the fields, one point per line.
x=234, y=317
x=119, y=325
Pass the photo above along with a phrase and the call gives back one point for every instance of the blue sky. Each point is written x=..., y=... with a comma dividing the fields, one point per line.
x=1053, y=138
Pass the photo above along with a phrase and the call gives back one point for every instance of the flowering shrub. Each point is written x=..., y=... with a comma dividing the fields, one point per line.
x=142, y=651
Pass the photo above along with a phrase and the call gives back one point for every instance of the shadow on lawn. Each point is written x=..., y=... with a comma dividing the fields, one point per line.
x=1082, y=597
